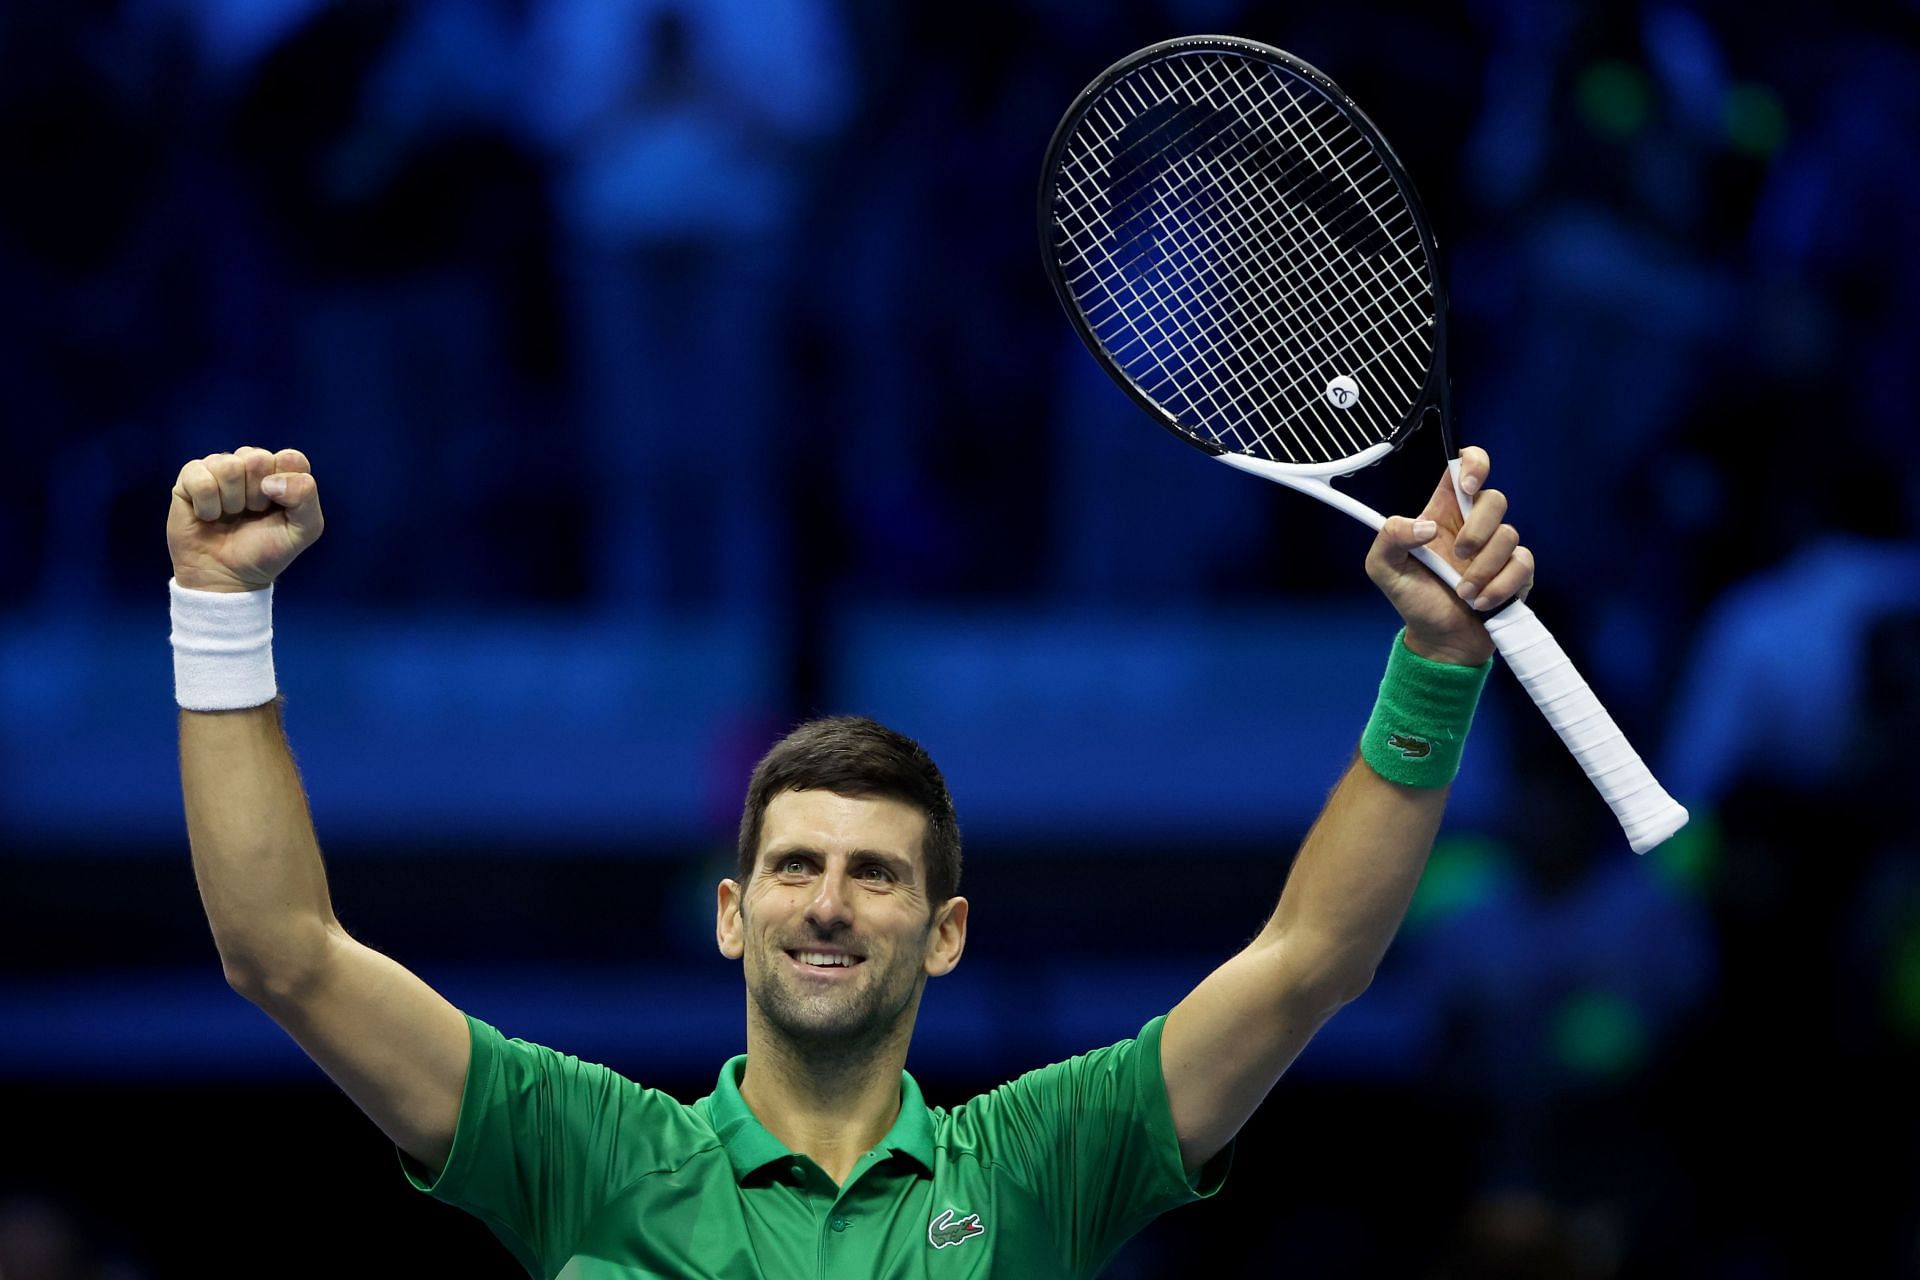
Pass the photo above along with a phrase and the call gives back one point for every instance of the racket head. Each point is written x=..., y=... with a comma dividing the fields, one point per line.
x=1241, y=249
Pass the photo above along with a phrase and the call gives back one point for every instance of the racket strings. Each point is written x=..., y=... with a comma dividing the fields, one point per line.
x=1156, y=322
x=1314, y=309
x=1242, y=363
x=1308, y=201
x=1234, y=243
x=1408, y=289
x=1190, y=257
x=1089, y=209
x=1308, y=302
x=1194, y=254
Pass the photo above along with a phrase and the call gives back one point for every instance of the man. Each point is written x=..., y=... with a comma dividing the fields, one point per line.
x=815, y=1155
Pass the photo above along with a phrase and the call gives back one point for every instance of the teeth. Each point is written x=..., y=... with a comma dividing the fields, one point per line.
x=821, y=957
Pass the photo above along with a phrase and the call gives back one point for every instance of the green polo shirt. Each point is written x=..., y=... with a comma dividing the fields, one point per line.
x=586, y=1175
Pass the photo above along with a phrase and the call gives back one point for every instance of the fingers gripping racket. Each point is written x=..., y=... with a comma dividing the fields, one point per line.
x=1242, y=251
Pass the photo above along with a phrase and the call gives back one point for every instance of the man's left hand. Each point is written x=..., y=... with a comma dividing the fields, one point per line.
x=1441, y=624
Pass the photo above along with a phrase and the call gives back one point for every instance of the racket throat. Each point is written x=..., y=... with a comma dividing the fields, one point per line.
x=1314, y=482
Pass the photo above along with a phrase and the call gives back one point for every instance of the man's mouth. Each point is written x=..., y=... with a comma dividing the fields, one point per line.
x=826, y=961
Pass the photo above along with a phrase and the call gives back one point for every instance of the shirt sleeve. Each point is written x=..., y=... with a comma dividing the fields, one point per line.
x=1093, y=1138
x=543, y=1141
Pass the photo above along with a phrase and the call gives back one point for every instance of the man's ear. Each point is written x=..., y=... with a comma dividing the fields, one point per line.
x=948, y=937
x=729, y=929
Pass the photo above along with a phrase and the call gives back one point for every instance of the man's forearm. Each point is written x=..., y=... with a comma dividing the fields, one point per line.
x=255, y=856
x=1355, y=875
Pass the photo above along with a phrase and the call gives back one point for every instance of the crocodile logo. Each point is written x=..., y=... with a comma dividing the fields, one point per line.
x=946, y=1229
x=1410, y=747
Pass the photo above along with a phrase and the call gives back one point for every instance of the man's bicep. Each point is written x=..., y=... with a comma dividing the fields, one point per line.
x=391, y=1042
x=1228, y=1042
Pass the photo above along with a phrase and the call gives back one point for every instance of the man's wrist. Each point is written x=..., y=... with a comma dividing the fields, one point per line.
x=222, y=648
x=221, y=583
x=1451, y=652
x=1419, y=724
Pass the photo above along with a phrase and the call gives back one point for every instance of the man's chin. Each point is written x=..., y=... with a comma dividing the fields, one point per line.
x=805, y=1024
x=838, y=1020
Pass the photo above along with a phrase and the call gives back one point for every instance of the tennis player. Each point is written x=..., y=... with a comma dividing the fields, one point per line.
x=815, y=1154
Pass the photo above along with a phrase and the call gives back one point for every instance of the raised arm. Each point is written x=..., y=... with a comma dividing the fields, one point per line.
x=1228, y=1042
x=395, y=1046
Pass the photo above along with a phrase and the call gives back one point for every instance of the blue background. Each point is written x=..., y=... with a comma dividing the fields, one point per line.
x=674, y=372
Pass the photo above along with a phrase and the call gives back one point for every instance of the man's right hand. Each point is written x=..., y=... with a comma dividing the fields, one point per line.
x=239, y=518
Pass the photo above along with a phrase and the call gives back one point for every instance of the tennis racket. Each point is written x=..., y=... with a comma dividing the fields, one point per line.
x=1243, y=252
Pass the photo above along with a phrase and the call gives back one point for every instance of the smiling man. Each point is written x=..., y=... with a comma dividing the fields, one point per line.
x=815, y=1154
x=843, y=907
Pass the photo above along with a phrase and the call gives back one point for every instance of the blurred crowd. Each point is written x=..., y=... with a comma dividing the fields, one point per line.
x=615, y=307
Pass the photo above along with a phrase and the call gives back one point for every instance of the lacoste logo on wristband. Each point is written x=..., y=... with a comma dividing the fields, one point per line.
x=945, y=1229
x=1409, y=746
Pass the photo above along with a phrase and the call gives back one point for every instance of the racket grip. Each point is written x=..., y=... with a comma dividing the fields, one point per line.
x=1646, y=812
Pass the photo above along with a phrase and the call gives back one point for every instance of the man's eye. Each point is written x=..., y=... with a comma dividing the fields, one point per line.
x=877, y=873
x=793, y=866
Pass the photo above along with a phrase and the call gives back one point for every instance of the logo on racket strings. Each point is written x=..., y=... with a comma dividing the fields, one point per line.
x=1343, y=392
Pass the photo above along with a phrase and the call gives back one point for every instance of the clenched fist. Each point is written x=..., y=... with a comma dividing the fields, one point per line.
x=1493, y=567
x=239, y=518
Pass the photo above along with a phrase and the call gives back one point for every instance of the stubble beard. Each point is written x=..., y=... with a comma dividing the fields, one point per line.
x=830, y=1022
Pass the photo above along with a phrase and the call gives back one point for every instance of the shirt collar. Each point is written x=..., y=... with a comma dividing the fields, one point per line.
x=751, y=1148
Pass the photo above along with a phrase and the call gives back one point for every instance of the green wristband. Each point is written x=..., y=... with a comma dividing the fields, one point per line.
x=1419, y=725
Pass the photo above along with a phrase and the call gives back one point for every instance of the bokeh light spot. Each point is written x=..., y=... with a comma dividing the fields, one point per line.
x=1598, y=1033
x=1689, y=860
x=1614, y=99
x=1462, y=872
x=1903, y=980
x=1756, y=121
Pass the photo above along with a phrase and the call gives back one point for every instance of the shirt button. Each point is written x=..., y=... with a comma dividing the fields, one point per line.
x=798, y=1172
x=841, y=1224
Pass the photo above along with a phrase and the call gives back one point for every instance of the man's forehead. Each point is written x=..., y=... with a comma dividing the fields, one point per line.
x=829, y=822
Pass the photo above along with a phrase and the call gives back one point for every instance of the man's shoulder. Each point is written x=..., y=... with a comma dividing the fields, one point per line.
x=1048, y=1095
x=568, y=1080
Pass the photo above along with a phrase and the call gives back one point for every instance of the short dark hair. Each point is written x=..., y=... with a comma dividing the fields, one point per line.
x=855, y=756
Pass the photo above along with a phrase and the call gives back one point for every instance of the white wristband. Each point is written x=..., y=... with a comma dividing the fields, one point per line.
x=222, y=648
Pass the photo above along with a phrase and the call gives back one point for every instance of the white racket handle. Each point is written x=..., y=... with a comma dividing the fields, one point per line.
x=1646, y=812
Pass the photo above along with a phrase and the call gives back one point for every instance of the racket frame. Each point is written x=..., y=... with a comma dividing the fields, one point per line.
x=1435, y=397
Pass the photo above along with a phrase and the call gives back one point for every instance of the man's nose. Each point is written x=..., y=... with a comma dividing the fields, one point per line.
x=829, y=908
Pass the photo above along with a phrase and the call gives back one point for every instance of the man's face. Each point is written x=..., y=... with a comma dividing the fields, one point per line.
x=834, y=925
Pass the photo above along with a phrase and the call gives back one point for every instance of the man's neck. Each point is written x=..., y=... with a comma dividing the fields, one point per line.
x=833, y=1106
